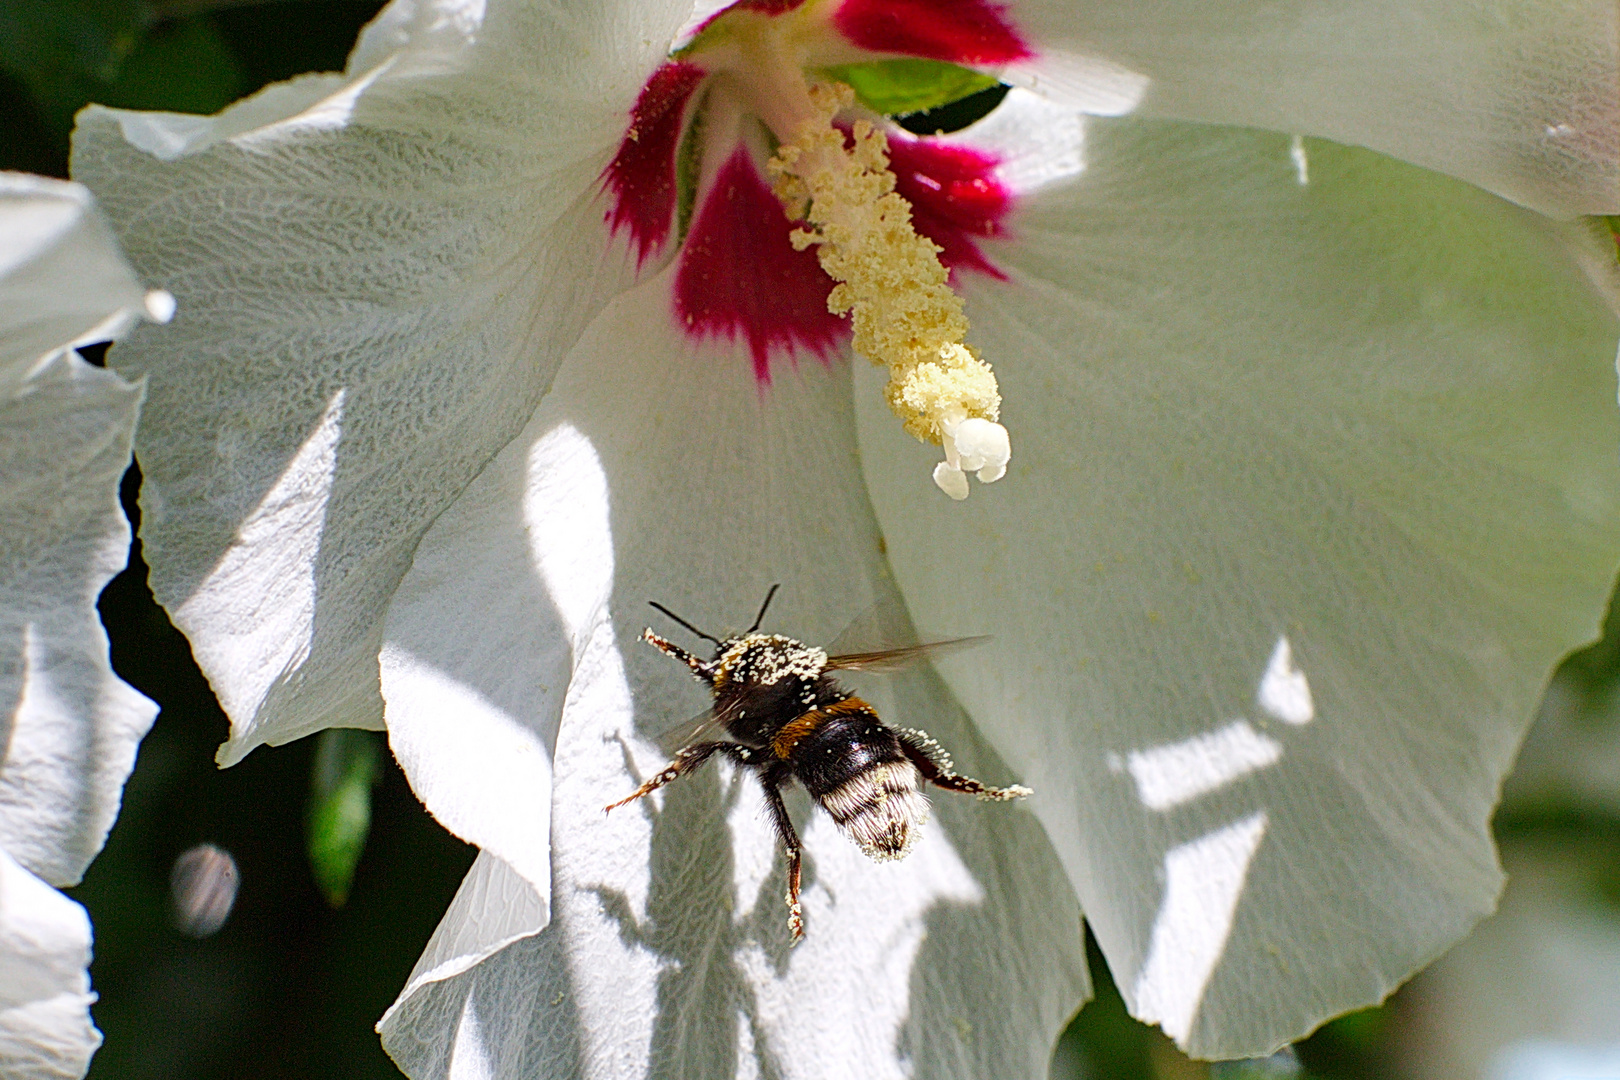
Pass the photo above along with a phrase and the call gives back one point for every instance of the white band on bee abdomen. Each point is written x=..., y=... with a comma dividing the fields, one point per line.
x=881, y=809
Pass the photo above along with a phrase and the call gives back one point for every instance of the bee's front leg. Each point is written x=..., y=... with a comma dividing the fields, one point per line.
x=686, y=760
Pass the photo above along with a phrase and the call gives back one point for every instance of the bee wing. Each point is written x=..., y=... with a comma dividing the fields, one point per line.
x=904, y=656
x=882, y=639
x=684, y=734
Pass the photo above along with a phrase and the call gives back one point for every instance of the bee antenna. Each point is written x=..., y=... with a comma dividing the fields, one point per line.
x=689, y=626
x=761, y=616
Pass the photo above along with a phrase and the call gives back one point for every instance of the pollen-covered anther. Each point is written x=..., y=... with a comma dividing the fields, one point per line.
x=904, y=312
x=972, y=445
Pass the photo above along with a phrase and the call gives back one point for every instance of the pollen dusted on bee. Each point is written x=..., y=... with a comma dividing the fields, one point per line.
x=906, y=315
x=786, y=720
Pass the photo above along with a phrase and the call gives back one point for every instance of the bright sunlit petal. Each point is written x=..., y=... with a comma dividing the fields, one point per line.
x=1387, y=435
x=1526, y=104
x=1203, y=879
x=668, y=913
x=444, y=302
x=1180, y=772
x=45, y=997
x=68, y=725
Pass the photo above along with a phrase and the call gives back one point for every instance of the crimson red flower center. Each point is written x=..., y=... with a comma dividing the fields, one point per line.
x=737, y=277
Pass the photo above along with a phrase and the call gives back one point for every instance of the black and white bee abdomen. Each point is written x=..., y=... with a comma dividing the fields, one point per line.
x=855, y=767
x=840, y=748
x=789, y=719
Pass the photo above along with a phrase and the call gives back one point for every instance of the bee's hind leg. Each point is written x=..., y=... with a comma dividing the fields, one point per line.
x=771, y=779
x=686, y=760
x=936, y=767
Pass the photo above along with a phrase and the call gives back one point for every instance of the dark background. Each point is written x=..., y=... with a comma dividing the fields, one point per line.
x=291, y=986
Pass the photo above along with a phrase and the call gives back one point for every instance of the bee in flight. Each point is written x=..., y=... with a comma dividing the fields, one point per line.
x=788, y=719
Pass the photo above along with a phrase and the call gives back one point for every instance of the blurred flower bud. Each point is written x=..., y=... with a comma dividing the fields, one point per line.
x=203, y=887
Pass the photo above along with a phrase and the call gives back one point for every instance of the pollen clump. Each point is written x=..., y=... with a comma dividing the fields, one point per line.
x=905, y=314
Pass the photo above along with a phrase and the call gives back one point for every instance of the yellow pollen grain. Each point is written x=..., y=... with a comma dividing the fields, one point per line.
x=905, y=314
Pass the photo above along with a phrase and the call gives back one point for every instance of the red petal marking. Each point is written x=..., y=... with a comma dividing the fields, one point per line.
x=957, y=31
x=641, y=175
x=954, y=198
x=763, y=7
x=740, y=275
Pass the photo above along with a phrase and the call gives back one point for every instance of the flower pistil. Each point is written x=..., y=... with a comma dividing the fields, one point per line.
x=906, y=315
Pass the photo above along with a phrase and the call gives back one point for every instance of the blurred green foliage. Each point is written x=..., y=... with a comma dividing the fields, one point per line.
x=291, y=987
x=57, y=56
x=348, y=764
x=902, y=87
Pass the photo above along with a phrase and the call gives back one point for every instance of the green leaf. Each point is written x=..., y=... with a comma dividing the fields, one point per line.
x=688, y=166
x=180, y=66
x=347, y=765
x=68, y=53
x=62, y=50
x=897, y=87
x=90, y=37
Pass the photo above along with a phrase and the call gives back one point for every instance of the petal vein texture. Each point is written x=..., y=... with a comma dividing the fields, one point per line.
x=1522, y=99
x=1338, y=459
x=68, y=725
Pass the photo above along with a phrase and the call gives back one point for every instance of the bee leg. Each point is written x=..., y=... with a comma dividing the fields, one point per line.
x=686, y=760
x=936, y=767
x=771, y=780
x=700, y=668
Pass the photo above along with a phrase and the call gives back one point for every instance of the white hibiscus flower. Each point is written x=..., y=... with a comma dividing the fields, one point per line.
x=500, y=333
x=68, y=725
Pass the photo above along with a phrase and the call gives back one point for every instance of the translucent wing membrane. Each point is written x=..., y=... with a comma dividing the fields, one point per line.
x=882, y=639
x=884, y=660
x=679, y=736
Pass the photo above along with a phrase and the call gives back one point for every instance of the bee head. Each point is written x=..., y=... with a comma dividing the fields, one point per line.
x=726, y=652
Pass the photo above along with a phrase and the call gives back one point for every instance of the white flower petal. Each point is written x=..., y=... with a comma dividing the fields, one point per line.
x=68, y=725
x=1523, y=100
x=494, y=908
x=505, y=593
x=45, y=1029
x=1372, y=416
x=1035, y=141
x=406, y=241
x=668, y=938
x=62, y=280
x=170, y=136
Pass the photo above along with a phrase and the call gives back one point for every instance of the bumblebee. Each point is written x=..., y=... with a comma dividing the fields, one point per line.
x=786, y=718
